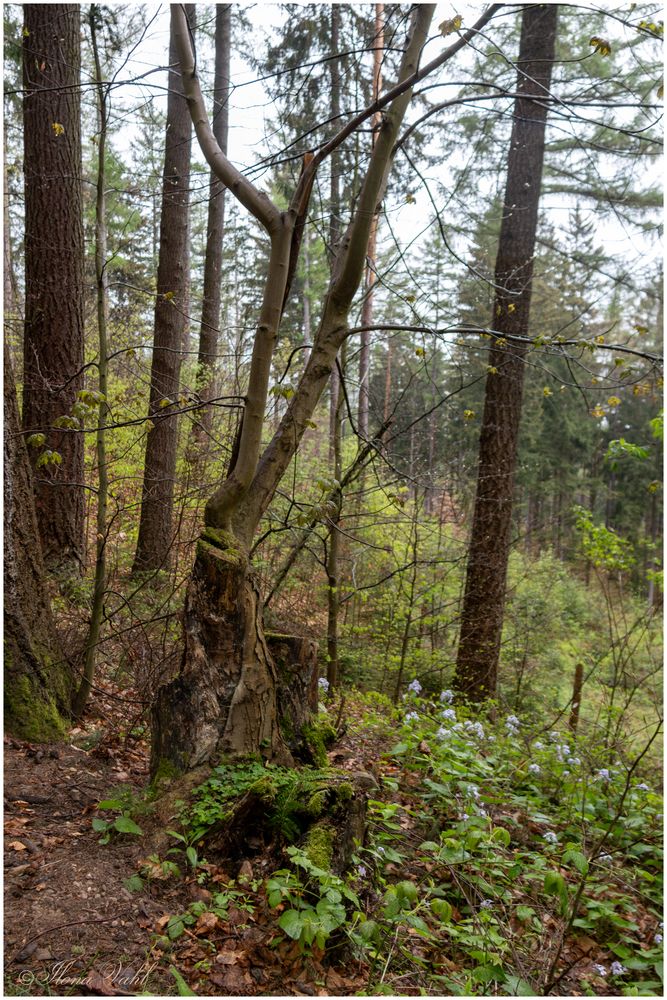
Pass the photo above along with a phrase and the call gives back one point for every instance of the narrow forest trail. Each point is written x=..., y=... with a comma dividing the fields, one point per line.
x=73, y=925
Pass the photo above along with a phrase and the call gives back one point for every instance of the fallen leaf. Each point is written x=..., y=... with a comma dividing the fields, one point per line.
x=229, y=957
x=206, y=923
x=16, y=845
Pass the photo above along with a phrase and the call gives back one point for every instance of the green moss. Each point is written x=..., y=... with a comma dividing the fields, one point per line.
x=165, y=772
x=319, y=845
x=318, y=734
x=316, y=803
x=265, y=789
x=344, y=792
x=219, y=544
x=29, y=713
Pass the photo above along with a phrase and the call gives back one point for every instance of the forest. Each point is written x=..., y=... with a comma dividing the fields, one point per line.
x=333, y=512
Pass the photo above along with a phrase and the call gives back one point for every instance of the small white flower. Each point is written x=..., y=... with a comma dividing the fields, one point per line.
x=550, y=837
x=486, y=904
x=449, y=713
x=605, y=859
x=474, y=727
x=554, y=736
x=617, y=969
x=481, y=812
x=465, y=816
x=657, y=938
x=538, y=745
x=323, y=683
x=512, y=720
x=574, y=761
x=600, y=969
x=474, y=791
x=642, y=788
x=380, y=850
x=457, y=727
x=411, y=717
x=415, y=686
x=361, y=871
x=443, y=733
x=447, y=696
x=604, y=774
x=565, y=774
x=534, y=768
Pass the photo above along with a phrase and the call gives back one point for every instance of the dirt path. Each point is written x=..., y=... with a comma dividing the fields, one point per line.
x=67, y=911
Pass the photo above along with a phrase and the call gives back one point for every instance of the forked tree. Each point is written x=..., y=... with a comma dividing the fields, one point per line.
x=484, y=598
x=224, y=697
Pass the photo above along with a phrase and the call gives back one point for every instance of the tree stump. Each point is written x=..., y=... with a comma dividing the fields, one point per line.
x=229, y=694
x=295, y=659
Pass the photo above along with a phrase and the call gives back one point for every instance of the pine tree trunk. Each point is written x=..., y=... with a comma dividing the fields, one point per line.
x=484, y=598
x=38, y=681
x=54, y=271
x=155, y=539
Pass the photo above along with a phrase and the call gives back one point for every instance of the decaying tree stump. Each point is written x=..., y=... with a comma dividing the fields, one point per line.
x=229, y=696
x=295, y=659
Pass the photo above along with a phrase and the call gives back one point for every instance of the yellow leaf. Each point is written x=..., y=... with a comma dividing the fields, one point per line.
x=168, y=296
x=448, y=26
x=491, y=370
x=547, y=391
x=58, y=129
x=511, y=308
x=614, y=401
x=26, y=33
x=597, y=412
x=599, y=340
x=600, y=45
x=165, y=402
x=420, y=352
x=469, y=414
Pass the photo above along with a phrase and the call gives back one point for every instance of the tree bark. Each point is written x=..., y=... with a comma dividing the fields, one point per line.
x=102, y=300
x=210, y=317
x=155, y=539
x=484, y=598
x=38, y=681
x=367, y=308
x=54, y=271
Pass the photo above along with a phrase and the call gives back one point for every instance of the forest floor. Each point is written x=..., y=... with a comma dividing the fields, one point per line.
x=72, y=925
x=79, y=922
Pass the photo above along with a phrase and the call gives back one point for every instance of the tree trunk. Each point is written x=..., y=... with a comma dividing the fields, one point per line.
x=484, y=599
x=102, y=288
x=54, y=271
x=155, y=539
x=367, y=308
x=210, y=317
x=224, y=698
x=38, y=682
